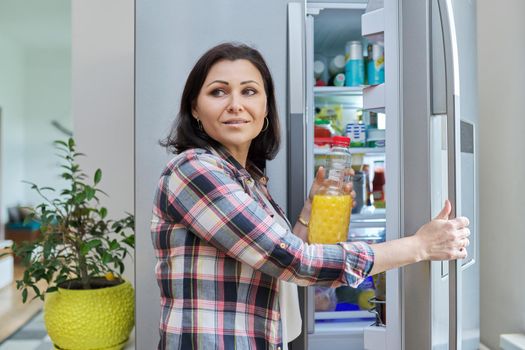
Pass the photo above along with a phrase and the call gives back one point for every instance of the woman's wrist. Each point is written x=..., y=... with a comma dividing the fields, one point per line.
x=418, y=247
x=307, y=209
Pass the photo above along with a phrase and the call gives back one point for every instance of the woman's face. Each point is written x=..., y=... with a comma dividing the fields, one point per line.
x=232, y=104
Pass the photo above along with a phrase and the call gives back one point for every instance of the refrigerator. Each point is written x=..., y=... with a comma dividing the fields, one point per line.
x=423, y=117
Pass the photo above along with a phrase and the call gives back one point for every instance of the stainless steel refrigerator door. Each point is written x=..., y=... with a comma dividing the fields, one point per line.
x=170, y=37
x=459, y=29
x=441, y=300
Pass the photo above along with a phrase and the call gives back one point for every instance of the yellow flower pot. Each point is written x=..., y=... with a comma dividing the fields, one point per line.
x=90, y=319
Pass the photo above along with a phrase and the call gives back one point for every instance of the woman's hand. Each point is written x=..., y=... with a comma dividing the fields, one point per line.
x=320, y=179
x=444, y=239
x=440, y=239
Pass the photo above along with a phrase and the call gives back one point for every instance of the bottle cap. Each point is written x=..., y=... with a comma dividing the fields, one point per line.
x=341, y=141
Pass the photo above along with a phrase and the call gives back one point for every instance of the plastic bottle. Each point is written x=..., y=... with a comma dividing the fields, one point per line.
x=378, y=183
x=354, y=68
x=375, y=64
x=331, y=207
x=337, y=65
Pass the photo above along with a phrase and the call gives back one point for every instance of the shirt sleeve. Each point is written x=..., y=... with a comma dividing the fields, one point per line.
x=201, y=193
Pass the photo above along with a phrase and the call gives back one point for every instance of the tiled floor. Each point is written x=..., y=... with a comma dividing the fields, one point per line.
x=33, y=336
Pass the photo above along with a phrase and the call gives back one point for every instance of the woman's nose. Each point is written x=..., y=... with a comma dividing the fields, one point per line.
x=235, y=104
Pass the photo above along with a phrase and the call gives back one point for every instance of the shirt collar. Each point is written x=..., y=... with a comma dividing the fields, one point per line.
x=251, y=169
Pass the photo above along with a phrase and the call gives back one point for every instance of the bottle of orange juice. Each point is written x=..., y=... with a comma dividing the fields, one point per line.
x=331, y=207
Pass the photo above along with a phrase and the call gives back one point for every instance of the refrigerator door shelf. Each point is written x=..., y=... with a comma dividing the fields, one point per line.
x=341, y=335
x=373, y=25
x=375, y=338
x=374, y=98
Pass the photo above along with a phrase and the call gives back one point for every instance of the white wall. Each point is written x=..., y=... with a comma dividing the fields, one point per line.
x=34, y=89
x=103, y=98
x=47, y=98
x=501, y=48
x=12, y=131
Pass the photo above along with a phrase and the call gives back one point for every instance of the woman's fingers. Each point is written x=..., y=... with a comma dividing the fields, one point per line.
x=460, y=222
x=319, y=177
x=463, y=232
x=446, y=239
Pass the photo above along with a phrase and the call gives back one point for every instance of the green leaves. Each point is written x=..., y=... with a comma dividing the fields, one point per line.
x=86, y=247
x=98, y=176
x=77, y=239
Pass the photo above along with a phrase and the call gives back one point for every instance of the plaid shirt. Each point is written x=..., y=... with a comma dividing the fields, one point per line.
x=220, y=255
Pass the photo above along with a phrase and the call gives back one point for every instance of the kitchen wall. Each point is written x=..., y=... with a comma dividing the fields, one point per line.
x=501, y=49
x=35, y=80
x=103, y=99
x=12, y=130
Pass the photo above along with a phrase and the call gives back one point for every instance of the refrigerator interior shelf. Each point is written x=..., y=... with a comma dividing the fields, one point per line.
x=338, y=90
x=318, y=151
x=370, y=213
x=373, y=25
x=374, y=98
x=339, y=315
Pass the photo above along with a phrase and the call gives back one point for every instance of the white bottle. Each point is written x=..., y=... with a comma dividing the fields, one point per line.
x=318, y=69
x=337, y=65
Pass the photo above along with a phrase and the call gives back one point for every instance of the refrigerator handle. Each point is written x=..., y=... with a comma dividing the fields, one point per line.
x=454, y=166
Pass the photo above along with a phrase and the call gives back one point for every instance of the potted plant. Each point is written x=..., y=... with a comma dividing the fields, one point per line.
x=79, y=255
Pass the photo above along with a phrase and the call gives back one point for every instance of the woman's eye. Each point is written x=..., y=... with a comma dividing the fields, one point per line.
x=250, y=92
x=218, y=93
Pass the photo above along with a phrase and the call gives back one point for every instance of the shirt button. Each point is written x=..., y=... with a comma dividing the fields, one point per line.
x=282, y=245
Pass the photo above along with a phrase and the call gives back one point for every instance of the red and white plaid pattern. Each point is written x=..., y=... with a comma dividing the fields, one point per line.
x=220, y=255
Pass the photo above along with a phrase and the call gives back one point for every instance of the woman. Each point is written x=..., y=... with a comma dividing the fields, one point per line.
x=225, y=249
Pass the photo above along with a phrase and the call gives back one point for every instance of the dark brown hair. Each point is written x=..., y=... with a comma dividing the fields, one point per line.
x=185, y=132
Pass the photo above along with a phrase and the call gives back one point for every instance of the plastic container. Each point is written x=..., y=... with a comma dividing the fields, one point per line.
x=357, y=133
x=323, y=128
x=331, y=207
x=375, y=138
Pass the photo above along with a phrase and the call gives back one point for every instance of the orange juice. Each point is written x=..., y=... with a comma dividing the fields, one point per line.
x=329, y=219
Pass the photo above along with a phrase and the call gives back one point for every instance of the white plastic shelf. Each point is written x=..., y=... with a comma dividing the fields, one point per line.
x=374, y=98
x=373, y=25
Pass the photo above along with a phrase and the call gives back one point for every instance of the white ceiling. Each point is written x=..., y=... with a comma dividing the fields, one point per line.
x=36, y=23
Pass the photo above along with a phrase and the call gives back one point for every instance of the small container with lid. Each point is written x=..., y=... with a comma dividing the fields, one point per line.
x=323, y=128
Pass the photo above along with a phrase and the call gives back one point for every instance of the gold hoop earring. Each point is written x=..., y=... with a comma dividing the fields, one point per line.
x=267, y=124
